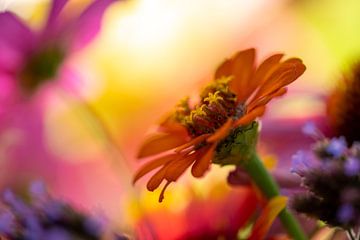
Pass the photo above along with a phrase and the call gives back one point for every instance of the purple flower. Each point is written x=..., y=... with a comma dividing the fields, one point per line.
x=57, y=234
x=337, y=147
x=352, y=166
x=31, y=220
x=29, y=58
x=300, y=163
x=345, y=213
x=310, y=129
x=7, y=222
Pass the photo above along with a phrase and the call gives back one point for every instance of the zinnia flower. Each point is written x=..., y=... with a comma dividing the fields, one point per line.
x=29, y=58
x=236, y=97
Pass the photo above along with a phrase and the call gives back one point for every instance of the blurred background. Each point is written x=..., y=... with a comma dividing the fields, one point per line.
x=148, y=55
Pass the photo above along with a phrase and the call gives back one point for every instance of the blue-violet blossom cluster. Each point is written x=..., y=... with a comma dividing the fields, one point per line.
x=45, y=218
x=331, y=177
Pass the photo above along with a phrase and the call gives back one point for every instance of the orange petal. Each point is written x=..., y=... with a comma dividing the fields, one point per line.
x=263, y=71
x=284, y=74
x=177, y=168
x=161, y=197
x=266, y=66
x=286, y=78
x=160, y=142
x=249, y=117
x=266, y=99
x=225, y=69
x=222, y=132
x=202, y=165
x=268, y=215
x=153, y=164
x=243, y=70
x=168, y=125
x=192, y=142
x=156, y=180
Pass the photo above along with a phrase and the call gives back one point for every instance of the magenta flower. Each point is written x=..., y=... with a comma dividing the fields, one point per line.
x=29, y=58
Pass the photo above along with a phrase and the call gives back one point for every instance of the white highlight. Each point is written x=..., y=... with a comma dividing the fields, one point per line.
x=4, y=5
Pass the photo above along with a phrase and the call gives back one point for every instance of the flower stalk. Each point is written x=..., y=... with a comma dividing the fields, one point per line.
x=269, y=188
x=239, y=149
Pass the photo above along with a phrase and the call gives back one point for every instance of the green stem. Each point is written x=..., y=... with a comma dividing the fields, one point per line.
x=268, y=186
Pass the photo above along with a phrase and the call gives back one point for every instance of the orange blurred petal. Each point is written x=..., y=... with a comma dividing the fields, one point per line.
x=225, y=69
x=161, y=197
x=243, y=70
x=175, y=169
x=264, y=70
x=263, y=101
x=202, y=165
x=160, y=142
x=168, y=125
x=261, y=72
x=268, y=215
x=156, y=180
x=251, y=116
x=192, y=142
x=153, y=164
x=222, y=132
x=285, y=73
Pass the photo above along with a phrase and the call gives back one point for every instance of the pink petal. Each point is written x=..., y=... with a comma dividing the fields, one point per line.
x=55, y=9
x=10, y=58
x=16, y=39
x=14, y=32
x=88, y=24
x=7, y=93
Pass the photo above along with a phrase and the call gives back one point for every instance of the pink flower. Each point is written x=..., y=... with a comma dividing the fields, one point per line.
x=29, y=58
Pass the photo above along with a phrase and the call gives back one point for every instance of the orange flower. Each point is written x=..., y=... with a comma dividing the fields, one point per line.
x=237, y=96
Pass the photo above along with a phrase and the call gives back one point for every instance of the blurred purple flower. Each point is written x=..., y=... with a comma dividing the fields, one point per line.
x=337, y=147
x=32, y=222
x=345, y=213
x=352, y=166
x=7, y=222
x=300, y=163
x=331, y=189
x=311, y=130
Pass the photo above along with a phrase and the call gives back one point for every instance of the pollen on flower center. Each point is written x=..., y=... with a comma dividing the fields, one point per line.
x=217, y=104
x=40, y=67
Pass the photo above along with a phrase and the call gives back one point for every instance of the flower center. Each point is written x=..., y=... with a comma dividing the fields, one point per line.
x=41, y=66
x=217, y=104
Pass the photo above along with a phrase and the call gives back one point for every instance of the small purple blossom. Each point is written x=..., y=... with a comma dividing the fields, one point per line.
x=331, y=192
x=311, y=130
x=337, y=147
x=345, y=213
x=7, y=222
x=352, y=166
x=300, y=163
x=94, y=225
x=38, y=190
x=45, y=218
x=57, y=234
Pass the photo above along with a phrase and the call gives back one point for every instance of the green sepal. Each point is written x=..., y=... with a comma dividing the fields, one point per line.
x=239, y=146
